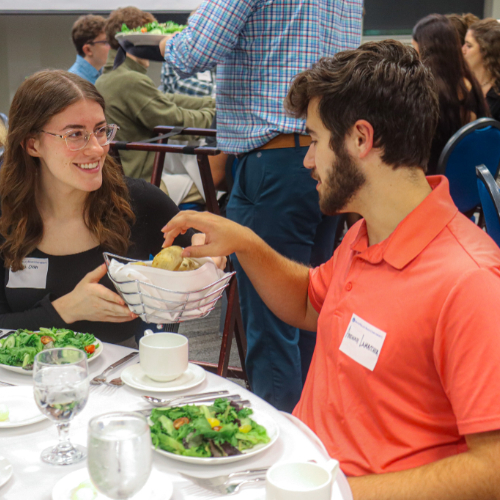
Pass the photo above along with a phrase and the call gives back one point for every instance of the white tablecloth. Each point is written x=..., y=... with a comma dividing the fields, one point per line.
x=34, y=480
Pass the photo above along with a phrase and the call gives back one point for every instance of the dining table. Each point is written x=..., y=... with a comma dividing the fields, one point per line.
x=35, y=480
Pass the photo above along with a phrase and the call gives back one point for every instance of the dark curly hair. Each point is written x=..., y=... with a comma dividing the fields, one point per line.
x=107, y=211
x=131, y=16
x=384, y=83
x=487, y=34
x=86, y=29
x=461, y=22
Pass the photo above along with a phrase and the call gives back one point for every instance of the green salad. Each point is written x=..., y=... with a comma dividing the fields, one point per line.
x=220, y=430
x=20, y=348
x=155, y=28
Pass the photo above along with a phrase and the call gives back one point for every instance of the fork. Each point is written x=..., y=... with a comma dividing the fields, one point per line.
x=207, y=482
x=168, y=402
x=147, y=411
x=227, y=488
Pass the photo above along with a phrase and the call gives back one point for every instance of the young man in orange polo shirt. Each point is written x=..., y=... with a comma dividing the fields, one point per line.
x=403, y=384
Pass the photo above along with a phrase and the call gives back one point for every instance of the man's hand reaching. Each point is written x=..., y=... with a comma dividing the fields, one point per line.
x=222, y=236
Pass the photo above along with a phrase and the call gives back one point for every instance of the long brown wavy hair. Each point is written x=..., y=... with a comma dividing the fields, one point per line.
x=440, y=50
x=107, y=211
x=487, y=34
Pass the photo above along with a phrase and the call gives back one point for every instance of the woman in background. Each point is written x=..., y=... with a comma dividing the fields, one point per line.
x=462, y=23
x=482, y=53
x=460, y=97
x=64, y=201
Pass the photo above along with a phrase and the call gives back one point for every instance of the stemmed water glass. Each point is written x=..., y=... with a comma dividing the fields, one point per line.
x=61, y=388
x=119, y=453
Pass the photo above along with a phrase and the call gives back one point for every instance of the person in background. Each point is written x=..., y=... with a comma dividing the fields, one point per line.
x=460, y=97
x=402, y=386
x=91, y=47
x=172, y=83
x=482, y=53
x=462, y=23
x=258, y=47
x=135, y=104
x=63, y=202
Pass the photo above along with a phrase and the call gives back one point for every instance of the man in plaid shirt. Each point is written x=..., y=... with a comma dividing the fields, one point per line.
x=172, y=83
x=258, y=47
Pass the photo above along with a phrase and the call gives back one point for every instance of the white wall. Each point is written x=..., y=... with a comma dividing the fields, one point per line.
x=29, y=43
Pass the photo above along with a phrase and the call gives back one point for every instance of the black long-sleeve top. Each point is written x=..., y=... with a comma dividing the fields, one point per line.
x=32, y=308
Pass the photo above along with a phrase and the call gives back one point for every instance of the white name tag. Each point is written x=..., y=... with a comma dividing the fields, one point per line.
x=363, y=342
x=34, y=274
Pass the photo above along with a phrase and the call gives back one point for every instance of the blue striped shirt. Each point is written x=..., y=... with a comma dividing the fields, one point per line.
x=259, y=46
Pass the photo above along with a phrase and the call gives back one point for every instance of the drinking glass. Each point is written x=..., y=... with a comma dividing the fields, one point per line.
x=119, y=453
x=61, y=388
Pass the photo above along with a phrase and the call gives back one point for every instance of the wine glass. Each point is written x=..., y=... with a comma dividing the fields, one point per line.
x=61, y=388
x=119, y=453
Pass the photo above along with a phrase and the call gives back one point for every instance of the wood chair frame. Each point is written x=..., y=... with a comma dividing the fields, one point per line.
x=233, y=324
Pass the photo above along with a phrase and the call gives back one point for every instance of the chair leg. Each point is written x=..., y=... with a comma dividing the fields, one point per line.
x=158, y=168
x=208, y=184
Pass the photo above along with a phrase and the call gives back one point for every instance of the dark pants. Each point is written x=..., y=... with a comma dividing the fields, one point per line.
x=274, y=195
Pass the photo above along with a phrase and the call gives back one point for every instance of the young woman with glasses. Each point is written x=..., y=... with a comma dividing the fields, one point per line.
x=63, y=202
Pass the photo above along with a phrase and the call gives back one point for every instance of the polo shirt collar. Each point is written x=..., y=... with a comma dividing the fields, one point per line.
x=414, y=232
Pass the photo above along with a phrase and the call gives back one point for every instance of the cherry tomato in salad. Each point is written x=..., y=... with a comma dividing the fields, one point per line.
x=89, y=348
x=180, y=422
x=46, y=339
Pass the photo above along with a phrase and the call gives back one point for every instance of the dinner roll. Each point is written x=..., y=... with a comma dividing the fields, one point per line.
x=169, y=258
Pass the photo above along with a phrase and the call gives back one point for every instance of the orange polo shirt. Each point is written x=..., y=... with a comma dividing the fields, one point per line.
x=407, y=359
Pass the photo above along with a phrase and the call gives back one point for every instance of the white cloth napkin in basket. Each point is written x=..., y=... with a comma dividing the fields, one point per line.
x=169, y=295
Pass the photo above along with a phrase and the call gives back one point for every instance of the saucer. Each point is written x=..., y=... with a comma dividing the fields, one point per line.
x=5, y=470
x=156, y=488
x=134, y=377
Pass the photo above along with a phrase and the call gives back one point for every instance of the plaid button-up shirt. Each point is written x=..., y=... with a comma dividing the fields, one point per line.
x=259, y=46
x=172, y=83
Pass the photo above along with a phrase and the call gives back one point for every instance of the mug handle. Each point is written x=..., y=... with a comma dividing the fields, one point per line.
x=148, y=332
x=332, y=466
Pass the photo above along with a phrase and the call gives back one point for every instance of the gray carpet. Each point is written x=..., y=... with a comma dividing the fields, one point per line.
x=205, y=336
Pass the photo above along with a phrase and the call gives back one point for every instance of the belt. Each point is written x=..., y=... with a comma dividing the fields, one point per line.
x=286, y=141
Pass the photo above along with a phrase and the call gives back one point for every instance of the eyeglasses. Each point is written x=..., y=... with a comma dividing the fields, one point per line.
x=78, y=139
x=105, y=42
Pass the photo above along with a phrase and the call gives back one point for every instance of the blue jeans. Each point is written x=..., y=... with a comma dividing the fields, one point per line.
x=276, y=197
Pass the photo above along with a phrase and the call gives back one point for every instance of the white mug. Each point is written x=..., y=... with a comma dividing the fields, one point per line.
x=163, y=356
x=301, y=481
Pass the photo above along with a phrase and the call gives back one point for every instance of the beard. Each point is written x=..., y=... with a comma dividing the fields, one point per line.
x=343, y=182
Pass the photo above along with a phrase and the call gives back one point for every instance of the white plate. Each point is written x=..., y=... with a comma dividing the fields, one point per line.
x=141, y=38
x=21, y=405
x=157, y=487
x=134, y=377
x=19, y=369
x=5, y=470
x=261, y=418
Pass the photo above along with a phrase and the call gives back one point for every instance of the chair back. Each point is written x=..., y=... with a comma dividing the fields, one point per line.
x=489, y=194
x=477, y=143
